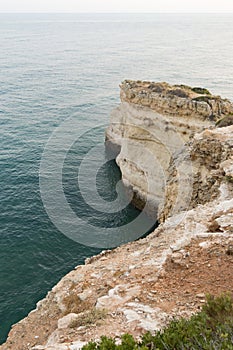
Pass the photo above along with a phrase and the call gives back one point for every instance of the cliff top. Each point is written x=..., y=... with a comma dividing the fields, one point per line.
x=165, y=89
x=180, y=100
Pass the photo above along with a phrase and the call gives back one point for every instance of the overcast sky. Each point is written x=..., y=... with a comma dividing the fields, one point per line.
x=116, y=5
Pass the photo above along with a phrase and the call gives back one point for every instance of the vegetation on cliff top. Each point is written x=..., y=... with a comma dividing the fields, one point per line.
x=201, y=91
x=197, y=90
x=210, y=329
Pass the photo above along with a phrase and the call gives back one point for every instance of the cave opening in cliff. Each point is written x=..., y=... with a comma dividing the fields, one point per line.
x=114, y=174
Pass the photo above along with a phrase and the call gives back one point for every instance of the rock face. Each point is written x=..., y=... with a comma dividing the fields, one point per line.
x=153, y=122
x=142, y=285
x=210, y=156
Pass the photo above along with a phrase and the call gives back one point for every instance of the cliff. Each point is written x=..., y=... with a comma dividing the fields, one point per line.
x=140, y=286
x=153, y=122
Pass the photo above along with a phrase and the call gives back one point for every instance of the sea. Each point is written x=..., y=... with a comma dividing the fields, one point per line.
x=59, y=81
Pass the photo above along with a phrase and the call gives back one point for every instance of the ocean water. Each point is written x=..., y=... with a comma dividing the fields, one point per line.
x=62, y=66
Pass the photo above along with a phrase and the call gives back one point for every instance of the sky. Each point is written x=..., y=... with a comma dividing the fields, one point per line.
x=116, y=6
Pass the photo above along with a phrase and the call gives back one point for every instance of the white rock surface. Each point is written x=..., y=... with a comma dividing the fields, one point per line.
x=65, y=321
x=148, y=140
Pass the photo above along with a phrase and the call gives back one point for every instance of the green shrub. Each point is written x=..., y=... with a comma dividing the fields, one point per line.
x=201, y=91
x=229, y=178
x=219, y=310
x=183, y=86
x=210, y=329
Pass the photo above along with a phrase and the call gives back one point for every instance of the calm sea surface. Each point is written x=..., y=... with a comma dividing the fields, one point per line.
x=53, y=67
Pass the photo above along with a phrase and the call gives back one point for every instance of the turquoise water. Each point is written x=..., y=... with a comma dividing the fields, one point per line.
x=53, y=67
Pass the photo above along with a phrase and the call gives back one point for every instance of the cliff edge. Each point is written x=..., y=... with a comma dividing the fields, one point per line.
x=142, y=285
x=175, y=100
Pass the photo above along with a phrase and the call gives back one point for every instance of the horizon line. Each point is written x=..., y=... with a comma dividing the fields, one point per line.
x=116, y=12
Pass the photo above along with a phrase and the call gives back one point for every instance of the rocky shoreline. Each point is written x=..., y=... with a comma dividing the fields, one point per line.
x=141, y=285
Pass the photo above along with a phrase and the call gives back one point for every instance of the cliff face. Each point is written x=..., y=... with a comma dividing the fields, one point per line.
x=153, y=123
x=210, y=157
x=142, y=285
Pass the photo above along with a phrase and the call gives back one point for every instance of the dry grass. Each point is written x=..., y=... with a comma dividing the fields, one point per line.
x=89, y=317
x=74, y=304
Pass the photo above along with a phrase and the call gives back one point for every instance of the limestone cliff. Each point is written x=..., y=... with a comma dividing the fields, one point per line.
x=210, y=155
x=153, y=122
x=142, y=285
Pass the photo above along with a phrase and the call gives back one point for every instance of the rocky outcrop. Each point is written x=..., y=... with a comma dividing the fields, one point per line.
x=153, y=122
x=175, y=100
x=208, y=158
